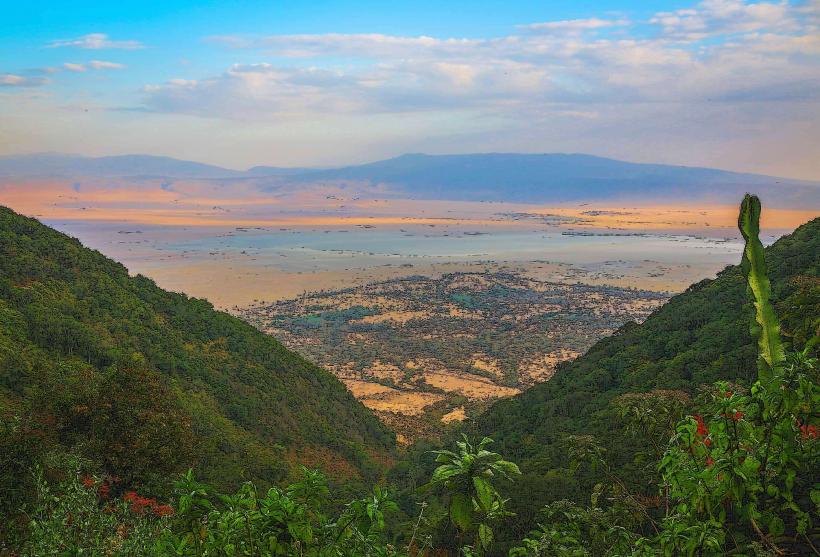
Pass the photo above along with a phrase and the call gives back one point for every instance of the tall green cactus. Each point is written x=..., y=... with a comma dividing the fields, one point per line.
x=770, y=348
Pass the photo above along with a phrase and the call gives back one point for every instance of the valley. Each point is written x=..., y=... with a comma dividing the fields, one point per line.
x=425, y=351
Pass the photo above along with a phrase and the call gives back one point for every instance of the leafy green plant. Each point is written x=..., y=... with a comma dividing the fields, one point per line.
x=193, y=507
x=571, y=530
x=469, y=477
x=78, y=514
x=742, y=472
x=289, y=521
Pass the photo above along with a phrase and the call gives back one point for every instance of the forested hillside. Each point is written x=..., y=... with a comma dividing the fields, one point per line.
x=698, y=337
x=148, y=383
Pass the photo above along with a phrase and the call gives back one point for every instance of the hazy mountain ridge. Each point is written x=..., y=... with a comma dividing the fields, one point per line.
x=55, y=164
x=526, y=178
x=561, y=177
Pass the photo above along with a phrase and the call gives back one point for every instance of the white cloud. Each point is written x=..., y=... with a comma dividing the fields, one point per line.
x=768, y=51
x=576, y=25
x=713, y=18
x=96, y=41
x=92, y=65
x=12, y=80
x=103, y=65
x=365, y=45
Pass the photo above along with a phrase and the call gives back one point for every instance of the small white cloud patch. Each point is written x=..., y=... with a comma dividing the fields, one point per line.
x=95, y=41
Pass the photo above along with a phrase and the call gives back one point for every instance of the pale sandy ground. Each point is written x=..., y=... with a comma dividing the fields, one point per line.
x=406, y=403
x=409, y=402
x=393, y=404
x=455, y=415
x=384, y=386
x=540, y=367
x=472, y=387
x=488, y=365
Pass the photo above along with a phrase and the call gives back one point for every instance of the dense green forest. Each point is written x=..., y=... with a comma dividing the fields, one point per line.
x=694, y=433
x=148, y=383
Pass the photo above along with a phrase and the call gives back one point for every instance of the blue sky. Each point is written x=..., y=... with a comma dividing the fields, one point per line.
x=153, y=21
x=723, y=83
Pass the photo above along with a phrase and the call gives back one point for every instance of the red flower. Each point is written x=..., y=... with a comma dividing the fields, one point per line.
x=808, y=431
x=702, y=430
x=728, y=394
x=88, y=481
x=138, y=502
x=736, y=416
x=139, y=505
x=163, y=510
x=709, y=461
x=701, y=425
x=105, y=491
x=130, y=496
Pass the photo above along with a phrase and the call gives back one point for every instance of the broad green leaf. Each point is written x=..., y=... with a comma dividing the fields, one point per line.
x=485, y=535
x=461, y=511
x=444, y=472
x=508, y=468
x=776, y=526
x=484, y=493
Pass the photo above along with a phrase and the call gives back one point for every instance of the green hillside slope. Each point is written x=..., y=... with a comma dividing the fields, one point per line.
x=148, y=382
x=699, y=336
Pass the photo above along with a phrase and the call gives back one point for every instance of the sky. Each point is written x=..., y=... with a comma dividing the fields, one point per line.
x=719, y=83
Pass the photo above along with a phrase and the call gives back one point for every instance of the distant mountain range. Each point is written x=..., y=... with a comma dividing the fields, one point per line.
x=527, y=178
x=54, y=164
x=560, y=177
